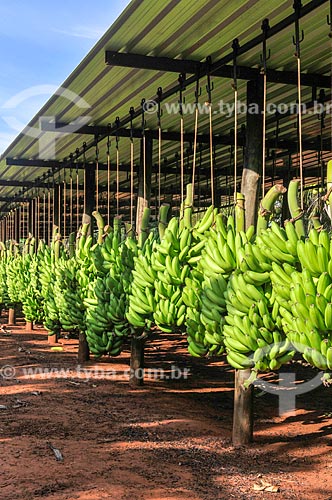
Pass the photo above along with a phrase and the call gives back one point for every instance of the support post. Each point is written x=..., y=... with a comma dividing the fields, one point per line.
x=243, y=397
x=90, y=191
x=11, y=316
x=142, y=201
x=29, y=326
x=254, y=150
x=136, y=378
x=83, y=349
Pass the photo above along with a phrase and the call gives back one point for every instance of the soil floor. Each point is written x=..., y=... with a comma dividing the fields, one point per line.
x=167, y=440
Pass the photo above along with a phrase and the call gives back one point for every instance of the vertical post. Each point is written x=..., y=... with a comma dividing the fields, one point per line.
x=56, y=221
x=144, y=176
x=136, y=377
x=243, y=397
x=141, y=201
x=254, y=149
x=89, y=194
x=11, y=316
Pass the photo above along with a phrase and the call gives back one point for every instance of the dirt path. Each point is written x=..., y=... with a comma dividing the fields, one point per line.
x=169, y=440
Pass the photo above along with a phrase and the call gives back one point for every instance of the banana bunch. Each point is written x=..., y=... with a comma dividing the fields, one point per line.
x=219, y=255
x=169, y=261
x=141, y=299
x=206, y=306
x=314, y=253
x=100, y=338
x=47, y=276
x=4, y=297
x=17, y=275
x=33, y=302
x=68, y=295
x=251, y=334
x=306, y=311
x=106, y=323
x=277, y=244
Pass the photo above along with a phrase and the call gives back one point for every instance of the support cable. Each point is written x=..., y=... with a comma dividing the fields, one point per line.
x=159, y=115
x=97, y=173
x=209, y=88
x=181, y=102
x=117, y=121
x=131, y=112
x=297, y=41
x=264, y=58
x=108, y=145
x=84, y=178
x=197, y=95
x=235, y=47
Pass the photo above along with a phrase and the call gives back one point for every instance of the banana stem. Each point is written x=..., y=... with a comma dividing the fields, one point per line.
x=329, y=184
x=163, y=212
x=294, y=207
x=267, y=204
x=71, y=242
x=100, y=225
x=240, y=213
x=144, y=227
x=188, y=207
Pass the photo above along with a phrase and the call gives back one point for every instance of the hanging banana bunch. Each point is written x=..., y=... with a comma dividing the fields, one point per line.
x=106, y=300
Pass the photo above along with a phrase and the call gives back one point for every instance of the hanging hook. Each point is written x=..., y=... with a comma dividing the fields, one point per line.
x=131, y=113
x=159, y=110
x=321, y=114
x=264, y=57
x=108, y=143
x=198, y=90
x=143, y=116
x=329, y=19
x=209, y=86
x=235, y=47
x=97, y=148
x=117, y=124
x=297, y=40
x=181, y=80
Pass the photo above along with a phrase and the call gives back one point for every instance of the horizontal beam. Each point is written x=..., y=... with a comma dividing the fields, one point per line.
x=98, y=130
x=23, y=184
x=129, y=60
x=222, y=140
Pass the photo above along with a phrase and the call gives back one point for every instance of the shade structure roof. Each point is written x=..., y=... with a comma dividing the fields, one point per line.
x=95, y=94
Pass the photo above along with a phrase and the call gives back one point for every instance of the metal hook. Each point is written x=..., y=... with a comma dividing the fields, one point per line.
x=265, y=56
x=297, y=40
x=235, y=47
x=329, y=19
x=159, y=110
x=143, y=115
x=209, y=87
x=181, y=80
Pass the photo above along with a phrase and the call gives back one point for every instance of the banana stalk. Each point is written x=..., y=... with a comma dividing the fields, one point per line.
x=100, y=225
x=329, y=184
x=240, y=213
x=267, y=204
x=188, y=207
x=144, y=227
x=294, y=207
x=71, y=241
x=163, y=212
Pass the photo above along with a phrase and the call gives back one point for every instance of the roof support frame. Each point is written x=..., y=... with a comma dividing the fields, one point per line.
x=130, y=60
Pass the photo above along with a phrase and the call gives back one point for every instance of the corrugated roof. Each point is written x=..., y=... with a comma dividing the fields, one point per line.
x=180, y=29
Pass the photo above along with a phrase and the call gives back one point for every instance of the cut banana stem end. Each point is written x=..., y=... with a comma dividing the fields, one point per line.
x=294, y=207
x=267, y=204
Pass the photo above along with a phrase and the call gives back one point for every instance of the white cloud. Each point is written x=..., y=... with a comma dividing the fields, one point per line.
x=87, y=32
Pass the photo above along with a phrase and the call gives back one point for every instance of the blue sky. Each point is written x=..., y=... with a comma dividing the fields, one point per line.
x=41, y=42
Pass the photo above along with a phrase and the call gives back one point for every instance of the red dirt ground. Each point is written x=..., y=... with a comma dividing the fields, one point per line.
x=169, y=440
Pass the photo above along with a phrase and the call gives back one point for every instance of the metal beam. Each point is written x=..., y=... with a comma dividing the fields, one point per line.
x=223, y=140
x=167, y=64
x=24, y=184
